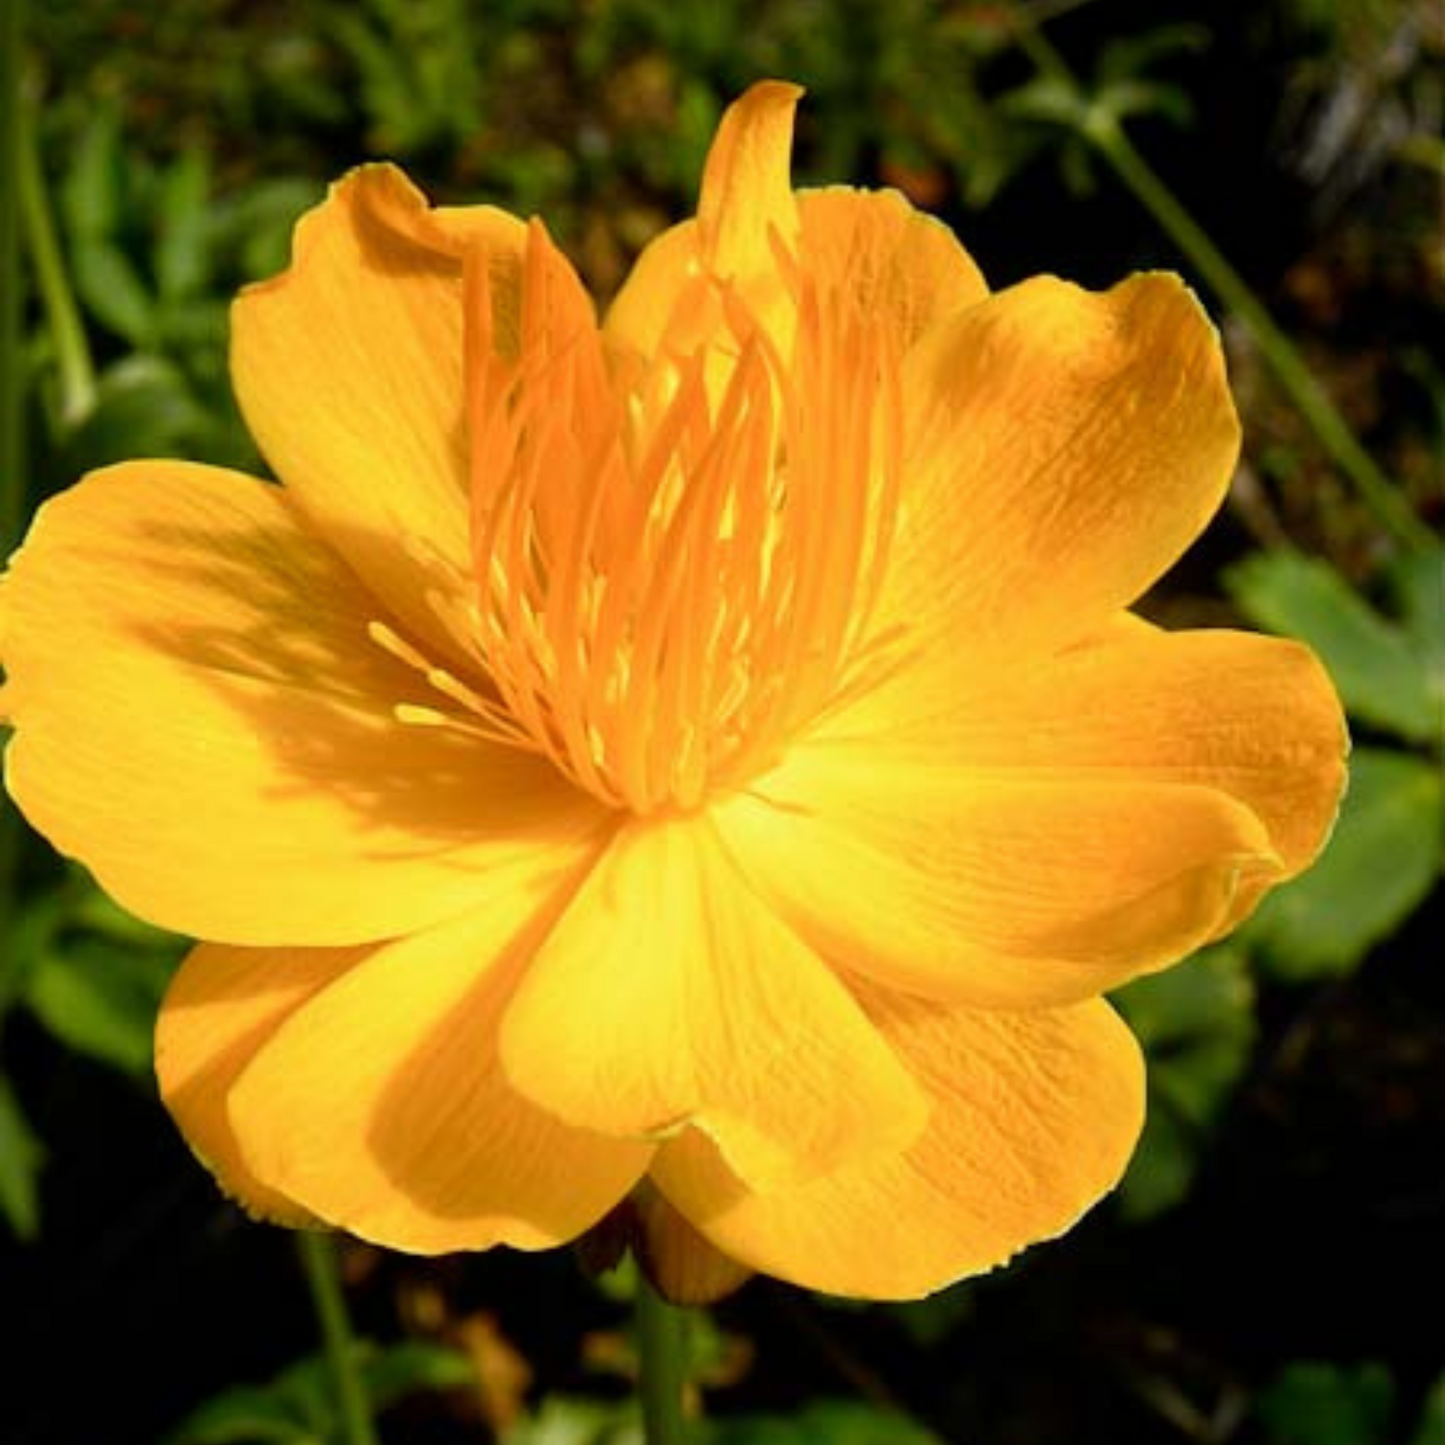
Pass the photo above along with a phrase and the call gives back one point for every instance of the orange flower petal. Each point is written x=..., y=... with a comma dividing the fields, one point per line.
x=646, y=304
x=203, y=720
x=747, y=203
x=1256, y=718
x=997, y=890
x=379, y=1104
x=222, y=1005
x=348, y=368
x=668, y=994
x=903, y=268
x=1063, y=449
x=747, y=213
x=681, y=1265
x=1033, y=1118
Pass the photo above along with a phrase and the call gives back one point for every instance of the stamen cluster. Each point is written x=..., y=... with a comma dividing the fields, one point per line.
x=676, y=556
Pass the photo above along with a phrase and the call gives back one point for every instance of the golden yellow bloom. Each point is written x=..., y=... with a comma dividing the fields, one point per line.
x=703, y=759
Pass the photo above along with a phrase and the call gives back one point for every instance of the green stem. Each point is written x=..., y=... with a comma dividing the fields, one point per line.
x=1102, y=129
x=662, y=1355
x=12, y=371
x=323, y=1279
x=74, y=367
x=12, y=314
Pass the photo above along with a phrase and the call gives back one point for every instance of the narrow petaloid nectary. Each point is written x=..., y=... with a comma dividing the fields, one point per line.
x=677, y=567
x=694, y=771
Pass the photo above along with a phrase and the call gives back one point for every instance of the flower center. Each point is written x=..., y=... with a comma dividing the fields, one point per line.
x=677, y=557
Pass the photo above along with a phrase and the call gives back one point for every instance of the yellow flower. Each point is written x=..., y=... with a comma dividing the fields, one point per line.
x=703, y=760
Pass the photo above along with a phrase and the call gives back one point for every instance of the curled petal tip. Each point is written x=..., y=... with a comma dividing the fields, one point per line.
x=747, y=183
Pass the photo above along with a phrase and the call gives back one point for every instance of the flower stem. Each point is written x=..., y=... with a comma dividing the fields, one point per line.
x=12, y=370
x=12, y=316
x=74, y=367
x=662, y=1354
x=323, y=1279
x=1101, y=128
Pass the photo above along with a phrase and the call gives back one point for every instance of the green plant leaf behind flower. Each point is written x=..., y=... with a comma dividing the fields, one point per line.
x=184, y=227
x=1319, y=1404
x=839, y=1422
x=297, y=1407
x=1379, y=867
x=93, y=976
x=1383, y=670
x=1431, y=1428
x=21, y=1157
x=143, y=403
x=100, y=1000
x=563, y=1420
x=1418, y=583
x=90, y=194
x=113, y=291
x=1196, y=1023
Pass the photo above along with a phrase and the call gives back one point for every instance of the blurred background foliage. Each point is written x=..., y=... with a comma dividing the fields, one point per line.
x=1263, y=1273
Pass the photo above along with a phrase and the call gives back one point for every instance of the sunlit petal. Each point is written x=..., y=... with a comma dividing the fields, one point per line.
x=747, y=204
x=1033, y=1117
x=203, y=718
x=903, y=268
x=348, y=368
x=669, y=995
x=1256, y=718
x=1000, y=889
x=1064, y=448
x=378, y=1102
x=222, y=1006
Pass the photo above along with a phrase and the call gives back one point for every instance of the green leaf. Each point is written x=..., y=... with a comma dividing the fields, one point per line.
x=929, y=1321
x=194, y=331
x=1162, y=1170
x=298, y=1407
x=1317, y=1404
x=1418, y=582
x=1379, y=672
x=1046, y=99
x=144, y=406
x=838, y=1422
x=1196, y=1023
x=112, y=291
x=101, y=1000
x=1379, y=867
x=258, y=221
x=415, y=1367
x=1431, y=1427
x=561, y=1420
x=99, y=913
x=568, y=1421
x=182, y=255
x=1123, y=99
x=25, y=941
x=91, y=974
x=21, y=1157
x=1128, y=57
x=245, y=1415
x=90, y=193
